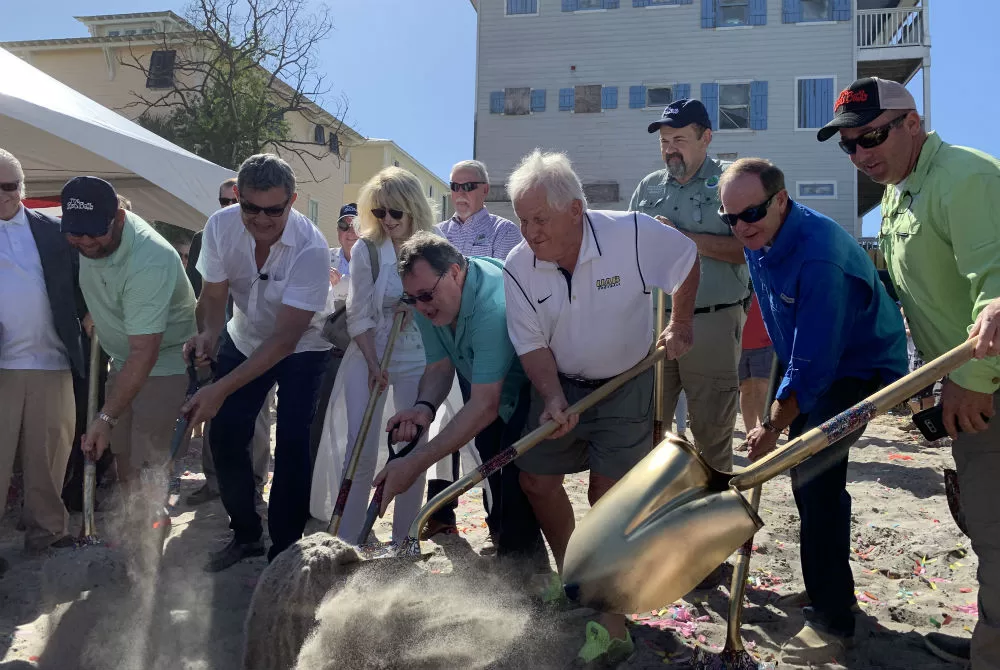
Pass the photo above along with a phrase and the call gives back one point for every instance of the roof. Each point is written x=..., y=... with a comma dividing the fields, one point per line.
x=135, y=15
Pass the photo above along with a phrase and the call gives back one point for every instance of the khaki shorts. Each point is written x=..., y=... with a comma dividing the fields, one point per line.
x=144, y=430
x=610, y=438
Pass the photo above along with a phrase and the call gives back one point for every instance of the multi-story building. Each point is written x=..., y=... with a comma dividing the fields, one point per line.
x=366, y=159
x=587, y=76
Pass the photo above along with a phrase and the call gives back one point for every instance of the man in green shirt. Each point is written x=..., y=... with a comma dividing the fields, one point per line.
x=142, y=307
x=462, y=316
x=941, y=239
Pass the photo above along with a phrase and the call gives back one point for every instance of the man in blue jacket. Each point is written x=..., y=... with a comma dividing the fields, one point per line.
x=840, y=337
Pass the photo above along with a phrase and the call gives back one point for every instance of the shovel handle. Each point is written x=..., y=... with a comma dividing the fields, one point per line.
x=89, y=466
x=376, y=503
x=853, y=418
x=366, y=422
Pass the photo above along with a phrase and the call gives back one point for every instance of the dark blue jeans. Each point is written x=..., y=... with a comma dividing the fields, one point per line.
x=820, y=489
x=298, y=377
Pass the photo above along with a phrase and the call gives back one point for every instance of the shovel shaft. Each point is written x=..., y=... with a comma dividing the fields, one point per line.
x=89, y=466
x=366, y=421
x=852, y=419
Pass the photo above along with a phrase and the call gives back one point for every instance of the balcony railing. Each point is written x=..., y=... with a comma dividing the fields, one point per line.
x=900, y=27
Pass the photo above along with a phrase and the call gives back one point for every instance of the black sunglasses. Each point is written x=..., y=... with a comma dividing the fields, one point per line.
x=426, y=296
x=872, y=138
x=344, y=226
x=273, y=212
x=379, y=213
x=467, y=186
x=10, y=186
x=750, y=214
x=226, y=202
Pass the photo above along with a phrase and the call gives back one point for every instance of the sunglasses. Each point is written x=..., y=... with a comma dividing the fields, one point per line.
x=380, y=212
x=750, y=214
x=253, y=210
x=226, y=202
x=344, y=226
x=872, y=138
x=10, y=186
x=467, y=186
x=426, y=296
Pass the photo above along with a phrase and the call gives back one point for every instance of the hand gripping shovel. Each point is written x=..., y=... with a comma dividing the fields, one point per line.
x=359, y=442
x=88, y=534
x=376, y=502
x=672, y=519
x=410, y=547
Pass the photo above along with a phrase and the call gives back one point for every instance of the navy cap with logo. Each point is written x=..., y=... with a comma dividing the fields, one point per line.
x=88, y=206
x=348, y=210
x=681, y=113
x=864, y=101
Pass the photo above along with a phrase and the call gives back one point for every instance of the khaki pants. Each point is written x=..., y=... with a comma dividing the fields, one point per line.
x=708, y=376
x=977, y=460
x=37, y=417
x=260, y=447
x=144, y=430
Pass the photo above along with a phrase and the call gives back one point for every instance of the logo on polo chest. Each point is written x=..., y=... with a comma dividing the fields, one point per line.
x=608, y=282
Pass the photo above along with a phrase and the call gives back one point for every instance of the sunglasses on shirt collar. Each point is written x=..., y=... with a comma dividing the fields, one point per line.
x=273, y=212
x=10, y=186
x=872, y=138
x=380, y=212
x=750, y=214
x=467, y=186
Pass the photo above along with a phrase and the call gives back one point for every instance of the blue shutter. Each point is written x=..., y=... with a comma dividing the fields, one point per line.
x=791, y=11
x=538, y=100
x=825, y=93
x=758, y=12
x=707, y=13
x=609, y=4
x=567, y=98
x=640, y=3
x=522, y=7
x=682, y=91
x=815, y=102
x=636, y=97
x=841, y=10
x=758, y=105
x=609, y=97
x=570, y=5
x=710, y=98
x=496, y=102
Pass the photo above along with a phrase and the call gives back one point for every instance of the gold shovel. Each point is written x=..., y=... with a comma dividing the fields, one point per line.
x=672, y=519
x=89, y=531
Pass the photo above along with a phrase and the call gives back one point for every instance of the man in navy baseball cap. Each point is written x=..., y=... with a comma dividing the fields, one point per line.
x=348, y=210
x=682, y=113
x=89, y=205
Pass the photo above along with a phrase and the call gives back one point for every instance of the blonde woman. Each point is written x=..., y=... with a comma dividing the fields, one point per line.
x=391, y=207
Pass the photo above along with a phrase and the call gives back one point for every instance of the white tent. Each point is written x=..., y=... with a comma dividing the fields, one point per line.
x=58, y=133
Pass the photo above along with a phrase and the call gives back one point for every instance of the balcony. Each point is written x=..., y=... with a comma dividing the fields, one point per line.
x=890, y=28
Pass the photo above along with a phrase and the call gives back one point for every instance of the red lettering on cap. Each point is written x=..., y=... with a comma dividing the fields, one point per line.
x=848, y=96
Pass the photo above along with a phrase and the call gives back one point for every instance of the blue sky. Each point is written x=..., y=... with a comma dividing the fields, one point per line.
x=409, y=72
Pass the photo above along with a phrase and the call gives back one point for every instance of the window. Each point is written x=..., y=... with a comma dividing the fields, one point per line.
x=161, y=69
x=584, y=5
x=659, y=96
x=334, y=144
x=815, y=10
x=430, y=191
x=319, y=134
x=517, y=101
x=813, y=102
x=114, y=33
x=515, y=7
x=587, y=99
x=659, y=3
x=314, y=211
x=395, y=163
x=816, y=190
x=733, y=13
x=130, y=32
x=804, y=11
x=146, y=31
x=734, y=106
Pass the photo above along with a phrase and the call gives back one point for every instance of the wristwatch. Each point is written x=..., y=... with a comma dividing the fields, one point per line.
x=770, y=427
x=107, y=418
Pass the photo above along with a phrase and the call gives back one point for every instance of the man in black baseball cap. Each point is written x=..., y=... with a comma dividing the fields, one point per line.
x=90, y=207
x=682, y=113
x=863, y=102
x=350, y=210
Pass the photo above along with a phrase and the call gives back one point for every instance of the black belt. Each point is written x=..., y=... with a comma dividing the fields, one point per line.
x=713, y=308
x=583, y=382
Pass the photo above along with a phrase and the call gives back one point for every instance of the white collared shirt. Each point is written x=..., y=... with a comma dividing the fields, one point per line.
x=340, y=263
x=598, y=322
x=297, y=270
x=28, y=338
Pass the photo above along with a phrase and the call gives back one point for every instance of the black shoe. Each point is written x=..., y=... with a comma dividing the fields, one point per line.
x=949, y=647
x=202, y=495
x=233, y=553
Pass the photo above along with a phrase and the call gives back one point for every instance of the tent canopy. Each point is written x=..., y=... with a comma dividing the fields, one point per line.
x=58, y=133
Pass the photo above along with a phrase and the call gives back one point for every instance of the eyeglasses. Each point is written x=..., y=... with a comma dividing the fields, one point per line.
x=10, y=186
x=872, y=138
x=226, y=202
x=750, y=214
x=273, y=212
x=426, y=296
x=379, y=213
x=467, y=186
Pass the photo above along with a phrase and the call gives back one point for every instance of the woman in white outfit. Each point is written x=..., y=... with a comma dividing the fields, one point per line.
x=391, y=207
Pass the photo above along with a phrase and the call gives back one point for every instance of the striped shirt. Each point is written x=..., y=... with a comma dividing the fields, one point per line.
x=482, y=234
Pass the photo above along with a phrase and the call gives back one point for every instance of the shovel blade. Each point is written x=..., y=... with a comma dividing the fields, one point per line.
x=657, y=533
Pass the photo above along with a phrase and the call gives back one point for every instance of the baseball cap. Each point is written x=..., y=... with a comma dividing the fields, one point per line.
x=348, y=210
x=88, y=206
x=682, y=113
x=863, y=101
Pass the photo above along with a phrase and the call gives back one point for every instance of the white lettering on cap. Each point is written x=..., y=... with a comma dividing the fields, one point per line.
x=75, y=203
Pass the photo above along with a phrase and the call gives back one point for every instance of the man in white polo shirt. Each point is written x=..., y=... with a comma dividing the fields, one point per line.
x=276, y=265
x=579, y=312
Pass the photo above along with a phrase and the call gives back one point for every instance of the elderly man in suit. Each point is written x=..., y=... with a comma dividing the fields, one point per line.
x=40, y=349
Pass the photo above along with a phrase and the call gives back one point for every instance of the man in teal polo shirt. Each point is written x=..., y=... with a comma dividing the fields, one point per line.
x=941, y=239
x=142, y=306
x=462, y=315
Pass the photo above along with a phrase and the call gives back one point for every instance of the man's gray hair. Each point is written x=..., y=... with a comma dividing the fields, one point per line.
x=265, y=171
x=551, y=171
x=438, y=252
x=10, y=160
x=478, y=166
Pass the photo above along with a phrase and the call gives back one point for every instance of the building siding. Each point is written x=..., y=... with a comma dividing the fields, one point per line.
x=631, y=46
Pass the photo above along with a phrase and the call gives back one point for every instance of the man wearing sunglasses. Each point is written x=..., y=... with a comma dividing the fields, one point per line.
x=276, y=265
x=340, y=258
x=839, y=337
x=473, y=230
x=941, y=239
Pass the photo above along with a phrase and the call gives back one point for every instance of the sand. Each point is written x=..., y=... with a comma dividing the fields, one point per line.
x=75, y=608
